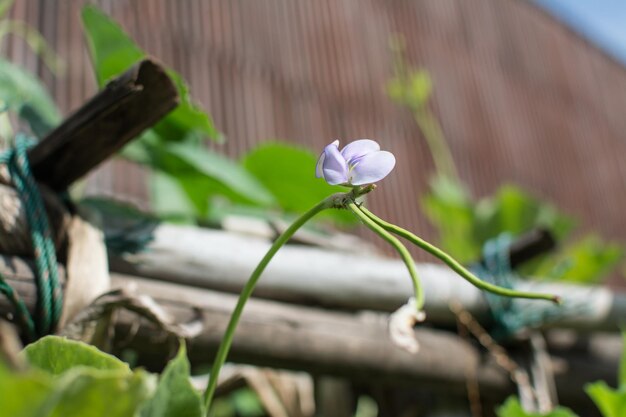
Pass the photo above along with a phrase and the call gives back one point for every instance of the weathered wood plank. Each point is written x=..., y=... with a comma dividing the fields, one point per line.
x=344, y=344
x=126, y=107
x=222, y=261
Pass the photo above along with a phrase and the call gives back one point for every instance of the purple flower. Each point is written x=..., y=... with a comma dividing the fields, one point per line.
x=360, y=162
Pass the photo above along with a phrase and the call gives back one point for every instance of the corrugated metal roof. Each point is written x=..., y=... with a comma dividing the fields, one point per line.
x=521, y=98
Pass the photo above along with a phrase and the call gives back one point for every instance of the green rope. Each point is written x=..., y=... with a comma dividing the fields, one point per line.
x=21, y=311
x=49, y=295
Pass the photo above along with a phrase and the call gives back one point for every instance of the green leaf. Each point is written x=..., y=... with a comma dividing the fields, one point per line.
x=188, y=122
x=585, y=261
x=113, y=52
x=221, y=169
x=24, y=94
x=72, y=379
x=514, y=211
x=450, y=210
x=22, y=394
x=513, y=408
x=241, y=402
x=611, y=402
x=88, y=392
x=175, y=396
x=288, y=172
x=56, y=355
x=169, y=200
x=199, y=174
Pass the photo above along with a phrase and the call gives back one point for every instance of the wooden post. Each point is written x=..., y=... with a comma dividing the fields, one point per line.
x=127, y=106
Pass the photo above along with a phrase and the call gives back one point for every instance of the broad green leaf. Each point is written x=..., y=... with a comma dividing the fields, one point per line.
x=584, y=261
x=201, y=174
x=23, y=394
x=247, y=403
x=187, y=122
x=223, y=170
x=91, y=385
x=56, y=355
x=611, y=402
x=513, y=408
x=288, y=172
x=88, y=392
x=113, y=52
x=514, y=211
x=169, y=199
x=22, y=93
x=175, y=396
x=450, y=210
x=241, y=402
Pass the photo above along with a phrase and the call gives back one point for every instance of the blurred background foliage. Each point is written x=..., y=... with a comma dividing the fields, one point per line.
x=464, y=223
x=191, y=183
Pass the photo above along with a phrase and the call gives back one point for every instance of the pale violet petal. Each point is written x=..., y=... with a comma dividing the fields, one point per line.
x=359, y=148
x=372, y=168
x=334, y=167
x=320, y=163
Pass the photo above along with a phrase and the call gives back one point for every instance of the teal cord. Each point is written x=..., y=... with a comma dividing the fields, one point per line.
x=21, y=312
x=49, y=295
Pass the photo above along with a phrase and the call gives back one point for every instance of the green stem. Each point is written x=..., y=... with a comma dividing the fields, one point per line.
x=360, y=211
x=454, y=264
x=439, y=149
x=339, y=200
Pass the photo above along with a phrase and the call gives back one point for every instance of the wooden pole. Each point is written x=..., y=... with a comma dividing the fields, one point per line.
x=343, y=344
x=127, y=106
x=323, y=342
x=217, y=260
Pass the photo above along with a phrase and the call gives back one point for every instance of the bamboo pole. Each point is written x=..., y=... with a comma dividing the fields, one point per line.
x=347, y=344
x=217, y=260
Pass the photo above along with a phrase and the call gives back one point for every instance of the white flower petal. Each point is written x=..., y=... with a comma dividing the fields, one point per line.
x=359, y=148
x=334, y=167
x=372, y=168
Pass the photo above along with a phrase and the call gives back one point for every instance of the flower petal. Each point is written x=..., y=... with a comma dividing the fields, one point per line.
x=334, y=167
x=357, y=149
x=320, y=161
x=372, y=167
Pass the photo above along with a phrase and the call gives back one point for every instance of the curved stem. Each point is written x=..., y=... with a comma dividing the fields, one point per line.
x=339, y=200
x=360, y=211
x=437, y=144
x=454, y=264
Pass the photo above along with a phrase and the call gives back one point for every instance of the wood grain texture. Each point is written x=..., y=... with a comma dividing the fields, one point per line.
x=217, y=260
x=326, y=342
x=128, y=105
x=355, y=346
